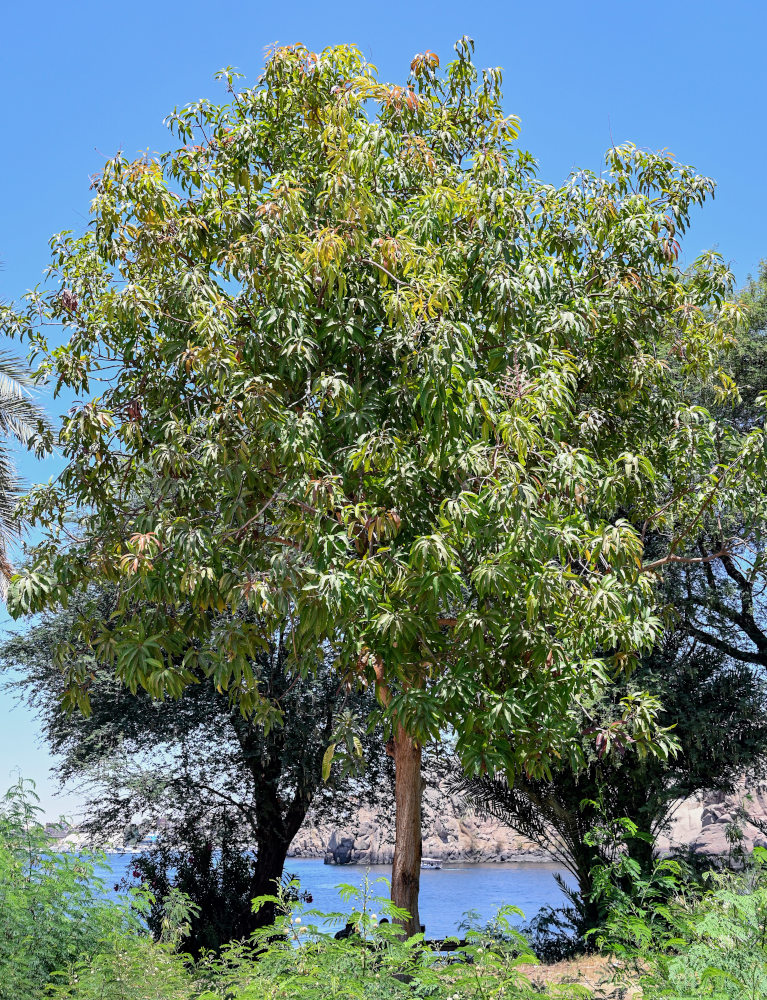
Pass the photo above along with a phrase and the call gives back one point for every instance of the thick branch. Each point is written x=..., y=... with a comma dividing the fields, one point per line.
x=725, y=647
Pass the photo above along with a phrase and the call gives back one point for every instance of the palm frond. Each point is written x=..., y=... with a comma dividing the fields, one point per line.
x=15, y=370
x=6, y=572
x=20, y=419
x=9, y=523
x=522, y=806
x=10, y=526
x=20, y=415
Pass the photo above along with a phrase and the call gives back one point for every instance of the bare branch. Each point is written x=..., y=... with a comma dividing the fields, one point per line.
x=727, y=648
x=673, y=558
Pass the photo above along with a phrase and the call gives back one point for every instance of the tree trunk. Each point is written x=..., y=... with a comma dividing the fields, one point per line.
x=270, y=862
x=590, y=912
x=406, y=867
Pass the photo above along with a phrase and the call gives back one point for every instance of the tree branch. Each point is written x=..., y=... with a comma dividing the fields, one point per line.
x=673, y=558
x=374, y=263
x=727, y=648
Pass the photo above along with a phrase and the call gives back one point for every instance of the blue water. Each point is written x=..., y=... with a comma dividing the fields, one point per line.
x=446, y=894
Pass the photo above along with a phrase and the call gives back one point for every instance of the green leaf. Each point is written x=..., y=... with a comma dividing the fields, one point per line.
x=327, y=761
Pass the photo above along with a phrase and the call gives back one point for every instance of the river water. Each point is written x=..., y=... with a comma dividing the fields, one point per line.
x=446, y=894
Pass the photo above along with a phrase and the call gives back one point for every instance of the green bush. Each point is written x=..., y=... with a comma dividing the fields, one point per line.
x=685, y=940
x=126, y=967
x=62, y=938
x=218, y=885
x=53, y=909
x=720, y=945
x=218, y=882
x=300, y=958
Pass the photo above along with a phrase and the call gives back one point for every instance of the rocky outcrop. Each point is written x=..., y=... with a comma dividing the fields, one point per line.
x=709, y=823
x=453, y=833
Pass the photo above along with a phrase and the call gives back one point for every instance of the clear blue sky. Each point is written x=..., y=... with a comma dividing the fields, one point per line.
x=81, y=80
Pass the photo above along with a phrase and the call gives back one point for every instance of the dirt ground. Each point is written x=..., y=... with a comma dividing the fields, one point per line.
x=595, y=972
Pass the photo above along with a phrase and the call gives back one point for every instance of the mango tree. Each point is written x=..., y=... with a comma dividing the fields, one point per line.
x=343, y=359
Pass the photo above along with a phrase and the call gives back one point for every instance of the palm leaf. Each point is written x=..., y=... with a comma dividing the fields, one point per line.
x=20, y=419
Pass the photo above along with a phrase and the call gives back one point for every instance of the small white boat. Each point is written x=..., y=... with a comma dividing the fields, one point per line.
x=431, y=863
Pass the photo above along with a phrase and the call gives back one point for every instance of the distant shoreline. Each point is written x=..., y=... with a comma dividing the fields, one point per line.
x=533, y=858
x=447, y=863
x=74, y=841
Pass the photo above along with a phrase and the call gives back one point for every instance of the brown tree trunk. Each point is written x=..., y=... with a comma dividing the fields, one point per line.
x=406, y=867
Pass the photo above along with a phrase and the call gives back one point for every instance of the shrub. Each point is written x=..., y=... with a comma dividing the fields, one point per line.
x=62, y=938
x=706, y=940
x=300, y=958
x=554, y=934
x=720, y=945
x=126, y=967
x=53, y=909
